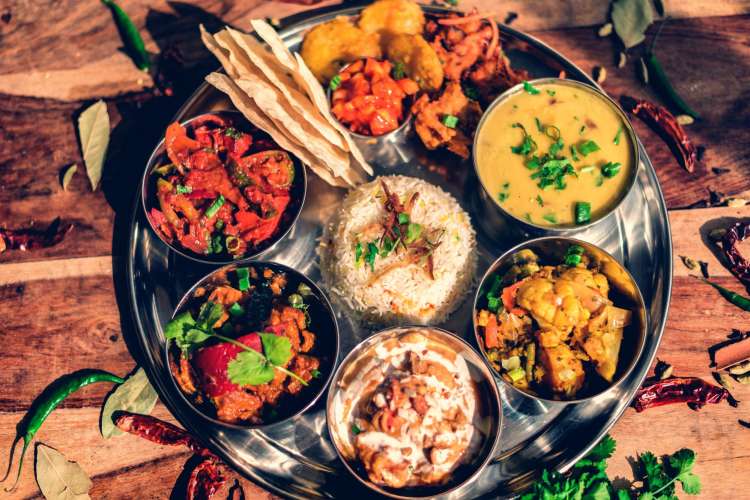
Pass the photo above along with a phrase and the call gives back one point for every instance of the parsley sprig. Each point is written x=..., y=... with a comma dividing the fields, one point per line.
x=588, y=479
x=249, y=367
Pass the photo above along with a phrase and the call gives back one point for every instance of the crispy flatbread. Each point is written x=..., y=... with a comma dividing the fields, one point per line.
x=258, y=55
x=257, y=117
x=307, y=81
x=221, y=54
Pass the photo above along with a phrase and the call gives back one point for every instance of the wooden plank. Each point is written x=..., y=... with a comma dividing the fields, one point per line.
x=25, y=272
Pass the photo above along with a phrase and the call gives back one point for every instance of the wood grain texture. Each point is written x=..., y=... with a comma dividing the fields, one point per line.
x=59, y=306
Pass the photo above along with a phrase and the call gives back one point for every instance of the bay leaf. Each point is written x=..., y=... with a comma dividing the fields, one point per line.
x=135, y=395
x=93, y=130
x=631, y=18
x=68, y=176
x=59, y=478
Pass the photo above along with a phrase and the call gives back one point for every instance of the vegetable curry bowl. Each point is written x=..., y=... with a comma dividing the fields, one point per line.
x=559, y=319
x=218, y=190
x=554, y=156
x=252, y=344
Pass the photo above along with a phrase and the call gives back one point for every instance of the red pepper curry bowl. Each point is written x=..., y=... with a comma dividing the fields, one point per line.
x=252, y=345
x=217, y=189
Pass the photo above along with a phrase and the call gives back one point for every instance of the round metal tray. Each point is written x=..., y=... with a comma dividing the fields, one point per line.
x=297, y=459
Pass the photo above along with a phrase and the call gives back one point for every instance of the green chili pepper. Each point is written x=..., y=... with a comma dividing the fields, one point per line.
x=130, y=36
x=215, y=206
x=733, y=297
x=45, y=403
x=661, y=81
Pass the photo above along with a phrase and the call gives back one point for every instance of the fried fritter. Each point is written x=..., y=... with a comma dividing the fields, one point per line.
x=329, y=46
x=392, y=17
x=421, y=62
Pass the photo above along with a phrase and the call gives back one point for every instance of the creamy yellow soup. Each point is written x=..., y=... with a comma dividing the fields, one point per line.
x=555, y=155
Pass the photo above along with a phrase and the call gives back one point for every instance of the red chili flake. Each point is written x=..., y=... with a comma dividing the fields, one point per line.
x=31, y=238
x=692, y=390
x=665, y=124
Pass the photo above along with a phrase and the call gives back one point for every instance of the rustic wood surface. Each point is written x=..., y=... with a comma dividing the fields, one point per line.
x=62, y=308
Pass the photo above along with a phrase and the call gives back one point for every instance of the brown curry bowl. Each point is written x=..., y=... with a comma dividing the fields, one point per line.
x=322, y=323
x=487, y=419
x=298, y=192
x=624, y=293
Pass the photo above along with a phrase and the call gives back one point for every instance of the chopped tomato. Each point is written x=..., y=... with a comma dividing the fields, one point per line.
x=368, y=100
x=509, y=298
x=178, y=145
x=490, y=333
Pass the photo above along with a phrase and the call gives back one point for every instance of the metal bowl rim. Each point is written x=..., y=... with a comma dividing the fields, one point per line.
x=373, y=340
x=145, y=195
x=562, y=229
x=639, y=298
x=320, y=295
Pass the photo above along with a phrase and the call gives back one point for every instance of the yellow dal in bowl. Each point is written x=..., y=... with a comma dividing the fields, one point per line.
x=516, y=180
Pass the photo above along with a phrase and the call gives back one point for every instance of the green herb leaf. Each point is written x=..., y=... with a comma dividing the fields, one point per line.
x=208, y=315
x=358, y=251
x=527, y=146
x=93, y=131
x=582, y=212
x=130, y=35
x=355, y=429
x=587, y=147
x=68, y=176
x=529, y=88
x=616, y=140
x=315, y=373
x=215, y=206
x=277, y=349
x=551, y=218
x=556, y=147
x=183, y=330
x=233, y=133
x=413, y=231
x=539, y=126
x=180, y=189
x=574, y=153
x=250, y=369
x=610, y=169
x=403, y=218
x=59, y=478
x=135, y=395
x=372, y=252
x=551, y=93
x=606, y=447
x=631, y=18
x=502, y=196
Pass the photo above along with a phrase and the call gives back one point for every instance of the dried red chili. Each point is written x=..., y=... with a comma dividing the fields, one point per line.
x=31, y=238
x=738, y=264
x=665, y=124
x=692, y=390
x=206, y=478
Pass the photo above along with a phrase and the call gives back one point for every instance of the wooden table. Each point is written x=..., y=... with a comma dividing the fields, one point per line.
x=65, y=308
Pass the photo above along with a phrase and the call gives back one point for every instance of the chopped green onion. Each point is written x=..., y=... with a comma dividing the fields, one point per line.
x=527, y=216
x=296, y=301
x=386, y=246
x=588, y=147
x=539, y=200
x=617, y=136
x=552, y=132
x=502, y=196
x=304, y=290
x=315, y=373
x=551, y=93
x=510, y=363
x=610, y=169
x=216, y=244
x=233, y=244
x=533, y=163
x=450, y=121
x=215, y=206
x=236, y=309
x=551, y=218
x=529, y=88
x=403, y=218
x=583, y=212
x=183, y=189
x=219, y=225
x=573, y=255
x=335, y=82
x=574, y=153
x=556, y=147
x=587, y=168
x=599, y=181
x=539, y=126
x=243, y=278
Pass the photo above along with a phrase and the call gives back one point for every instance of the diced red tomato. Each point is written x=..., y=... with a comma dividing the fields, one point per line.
x=211, y=363
x=490, y=333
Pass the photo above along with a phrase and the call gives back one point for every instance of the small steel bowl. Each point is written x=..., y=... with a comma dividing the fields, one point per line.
x=323, y=325
x=624, y=293
x=500, y=221
x=387, y=150
x=298, y=192
x=488, y=418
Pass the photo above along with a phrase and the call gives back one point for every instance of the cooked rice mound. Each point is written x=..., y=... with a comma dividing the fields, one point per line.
x=400, y=290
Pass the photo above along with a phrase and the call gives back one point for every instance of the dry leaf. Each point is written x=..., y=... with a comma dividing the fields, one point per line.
x=93, y=130
x=68, y=176
x=631, y=18
x=58, y=478
x=135, y=395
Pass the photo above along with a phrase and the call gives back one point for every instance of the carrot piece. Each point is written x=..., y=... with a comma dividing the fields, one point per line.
x=490, y=333
x=509, y=295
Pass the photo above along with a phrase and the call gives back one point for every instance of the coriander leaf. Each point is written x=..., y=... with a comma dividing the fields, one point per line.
x=372, y=252
x=682, y=460
x=176, y=328
x=655, y=478
x=530, y=88
x=646, y=496
x=623, y=495
x=600, y=490
x=631, y=18
x=209, y=314
x=556, y=147
x=277, y=349
x=603, y=450
x=691, y=484
x=413, y=231
x=587, y=147
x=249, y=369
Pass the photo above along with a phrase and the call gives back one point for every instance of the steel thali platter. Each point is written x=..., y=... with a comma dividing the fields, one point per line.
x=297, y=459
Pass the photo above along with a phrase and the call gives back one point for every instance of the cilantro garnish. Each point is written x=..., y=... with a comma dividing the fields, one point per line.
x=587, y=147
x=372, y=252
x=233, y=133
x=588, y=478
x=527, y=146
x=551, y=218
x=450, y=121
x=539, y=200
x=358, y=251
x=529, y=88
x=616, y=140
x=610, y=169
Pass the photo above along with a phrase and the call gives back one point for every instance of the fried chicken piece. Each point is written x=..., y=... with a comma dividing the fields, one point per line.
x=429, y=117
